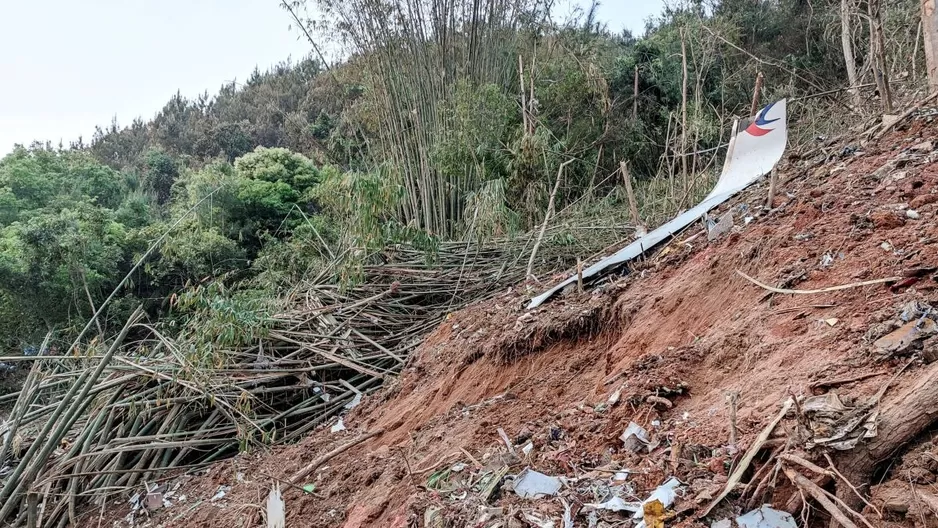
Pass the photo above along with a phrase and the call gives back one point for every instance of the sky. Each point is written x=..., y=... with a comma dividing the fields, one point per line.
x=67, y=66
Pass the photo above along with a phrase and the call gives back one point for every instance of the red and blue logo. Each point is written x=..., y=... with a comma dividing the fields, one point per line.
x=755, y=127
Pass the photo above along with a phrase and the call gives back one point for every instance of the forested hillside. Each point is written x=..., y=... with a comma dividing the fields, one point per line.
x=454, y=122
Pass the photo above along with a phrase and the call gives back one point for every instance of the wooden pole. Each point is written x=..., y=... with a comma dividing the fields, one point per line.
x=32, y=503
x=635, y=96
x=524, y=102
x=755, y=95
x=550, y=210
x=878, y=52
x=930, y=34
x=579, y=275
x=732, y=397
x=684, y=112
x=772, y=182
x=633, y=203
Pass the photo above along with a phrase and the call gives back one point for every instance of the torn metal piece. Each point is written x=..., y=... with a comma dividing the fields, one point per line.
x=754, y=151
x=530, y=484
x=634, y=438
x=766, y=517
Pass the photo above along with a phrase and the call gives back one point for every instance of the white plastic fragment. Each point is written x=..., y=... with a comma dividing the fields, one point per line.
x=339, y=426
x=912, y=214
x=530, y=484
x=766, y=517
x=220, y=494
x=355, y=401
x=634, y=438
x=665, y=493
x=567, y=514
x=528, y=448
x=615, y=504
x=276, y=509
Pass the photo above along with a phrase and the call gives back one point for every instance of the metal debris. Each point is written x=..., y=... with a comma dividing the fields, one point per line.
x=766, y=517
x=634, y=438
x=530, y=484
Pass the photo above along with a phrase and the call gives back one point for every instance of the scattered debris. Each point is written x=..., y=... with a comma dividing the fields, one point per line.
x=664, y=494
x=717, y=229
x=653, y=514
x=530, y=484
x=614, y=504
x=765, y=517
x=339, y=426
x=634, y=438
x=220, y=494
x=836, y=425
x=276, y=509
x=355, y=401
x=907, y=336
x=912, y=214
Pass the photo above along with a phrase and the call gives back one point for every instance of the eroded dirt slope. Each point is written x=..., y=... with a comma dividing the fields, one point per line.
x=663, y=347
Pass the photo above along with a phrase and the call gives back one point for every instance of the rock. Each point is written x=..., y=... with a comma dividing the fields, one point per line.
x=923, y=199
x=896, y=506
x=886, y=220
x=816, y=193
x=912, y=214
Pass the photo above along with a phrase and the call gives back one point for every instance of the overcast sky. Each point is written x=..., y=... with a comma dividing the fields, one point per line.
x=69, y=65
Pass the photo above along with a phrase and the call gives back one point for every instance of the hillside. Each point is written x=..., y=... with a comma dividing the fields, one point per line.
x=663, y=347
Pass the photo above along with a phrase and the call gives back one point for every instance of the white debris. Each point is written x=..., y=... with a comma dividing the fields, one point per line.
x=567, y=514
x=220, y=494
x=457, y=467
x=722, y=523
x=766, y=517
x=886, y=246
x=615, y=504
x=530, y=484
x=634, y=438
x=528, y=448
x=536, y=520
x=665, y=493
x=276, y=509
x=339, y=426
x=912, y=214
x=355, y=401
